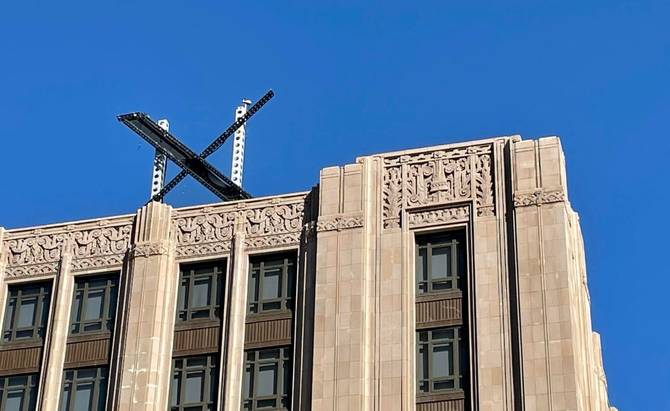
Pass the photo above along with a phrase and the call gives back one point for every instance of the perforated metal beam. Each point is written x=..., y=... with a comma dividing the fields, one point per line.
x=184, y=157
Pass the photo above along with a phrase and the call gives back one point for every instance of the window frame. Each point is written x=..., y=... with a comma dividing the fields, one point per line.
x=182, y=370
x=283, y=384
x=455, y=240
x=29, y=389
x=458, y=360
x=40, y=316
x=108, y=320
x=259, y=264
x=72, y=380
x=217, y=278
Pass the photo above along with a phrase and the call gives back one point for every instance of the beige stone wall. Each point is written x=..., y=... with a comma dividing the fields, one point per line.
x=530, y=334
x=561, y=364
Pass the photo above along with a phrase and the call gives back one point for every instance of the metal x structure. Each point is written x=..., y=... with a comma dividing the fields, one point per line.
x=191, y=163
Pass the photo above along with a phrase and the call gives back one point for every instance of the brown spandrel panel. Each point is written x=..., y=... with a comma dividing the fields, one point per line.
x=87, y=352
x=270, y=332
x=440, y=312
x=443, y=405
x=196, y=340
x=20, y=360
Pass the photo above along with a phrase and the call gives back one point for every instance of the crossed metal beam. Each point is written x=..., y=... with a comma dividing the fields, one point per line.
x=191, y=163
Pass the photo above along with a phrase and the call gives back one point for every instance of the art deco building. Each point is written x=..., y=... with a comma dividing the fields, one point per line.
x=438, y=279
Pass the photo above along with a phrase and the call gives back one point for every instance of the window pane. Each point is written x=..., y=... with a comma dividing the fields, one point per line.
x=194, y=383
x=102, y=392
x=174, y=389
x=65, y=401
x=252, y=291
x=14, y=400
x=422, y=363
x=442, y=356
x=272, y=284
x=94, y=305
x=9, y=313
x=267, y=376
x=183, y=295
x=27, y=312
x=440, y=263
x=421, y=267
x=201, y=291
x=83, y=396
x=268, y=354
x=76, y=308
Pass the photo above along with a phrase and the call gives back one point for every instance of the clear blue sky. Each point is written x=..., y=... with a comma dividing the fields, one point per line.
x=355, y=79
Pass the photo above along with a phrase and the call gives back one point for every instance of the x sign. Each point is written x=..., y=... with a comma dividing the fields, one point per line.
x=187, y=159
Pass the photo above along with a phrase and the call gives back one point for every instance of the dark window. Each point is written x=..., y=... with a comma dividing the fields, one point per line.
x=267, y=379
x=271, y=284
x=84, y=389
x=27, y=312
x=440, y=360
x=18, y=393
x=200, y=290
x=440, y=263
x=194, y=383
x=94, y=304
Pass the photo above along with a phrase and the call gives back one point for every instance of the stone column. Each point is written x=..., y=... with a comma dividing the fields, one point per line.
x=554, y=310
x=236, y=324
x=59, y=325
x=341, y=375
x=150, y=313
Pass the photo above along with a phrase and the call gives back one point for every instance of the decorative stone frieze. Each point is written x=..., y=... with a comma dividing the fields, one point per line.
x=421, y=218
x=149, y=249
x=438, y=177
x=97, y=244
x=209, y=230
x=538, y=197
x=339, y=223
x=205, y=233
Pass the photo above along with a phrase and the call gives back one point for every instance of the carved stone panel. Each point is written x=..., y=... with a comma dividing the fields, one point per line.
x=428, y=217
x=209, y=230
x=438, y=177
x=98, y=244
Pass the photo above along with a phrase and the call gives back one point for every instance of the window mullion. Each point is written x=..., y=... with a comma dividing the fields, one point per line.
x=284, y=291
x=259, y=289
x=213, y=293
x=191, y=288
x=454, y=264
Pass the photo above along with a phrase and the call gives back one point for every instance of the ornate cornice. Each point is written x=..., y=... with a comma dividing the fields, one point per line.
x=538, y=197
x=421, y=218
x=339, y=223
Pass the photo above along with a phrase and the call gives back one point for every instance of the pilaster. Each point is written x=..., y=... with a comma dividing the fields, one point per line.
x=150, y=312
x=236, y=324
x=59, y=326
x=550, y=294
x=341, y=305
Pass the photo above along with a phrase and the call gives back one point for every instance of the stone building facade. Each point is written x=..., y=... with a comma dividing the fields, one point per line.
x=438, y=279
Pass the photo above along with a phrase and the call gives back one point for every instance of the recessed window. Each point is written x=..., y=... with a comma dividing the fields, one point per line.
x=267, y=379
x=27, y=312
x=270, y=286
x=194, y=383
x=440, y=360
x=18, y=393
x=84, y=389
x=200, y=291
x=440, y=263
x=94, y=304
